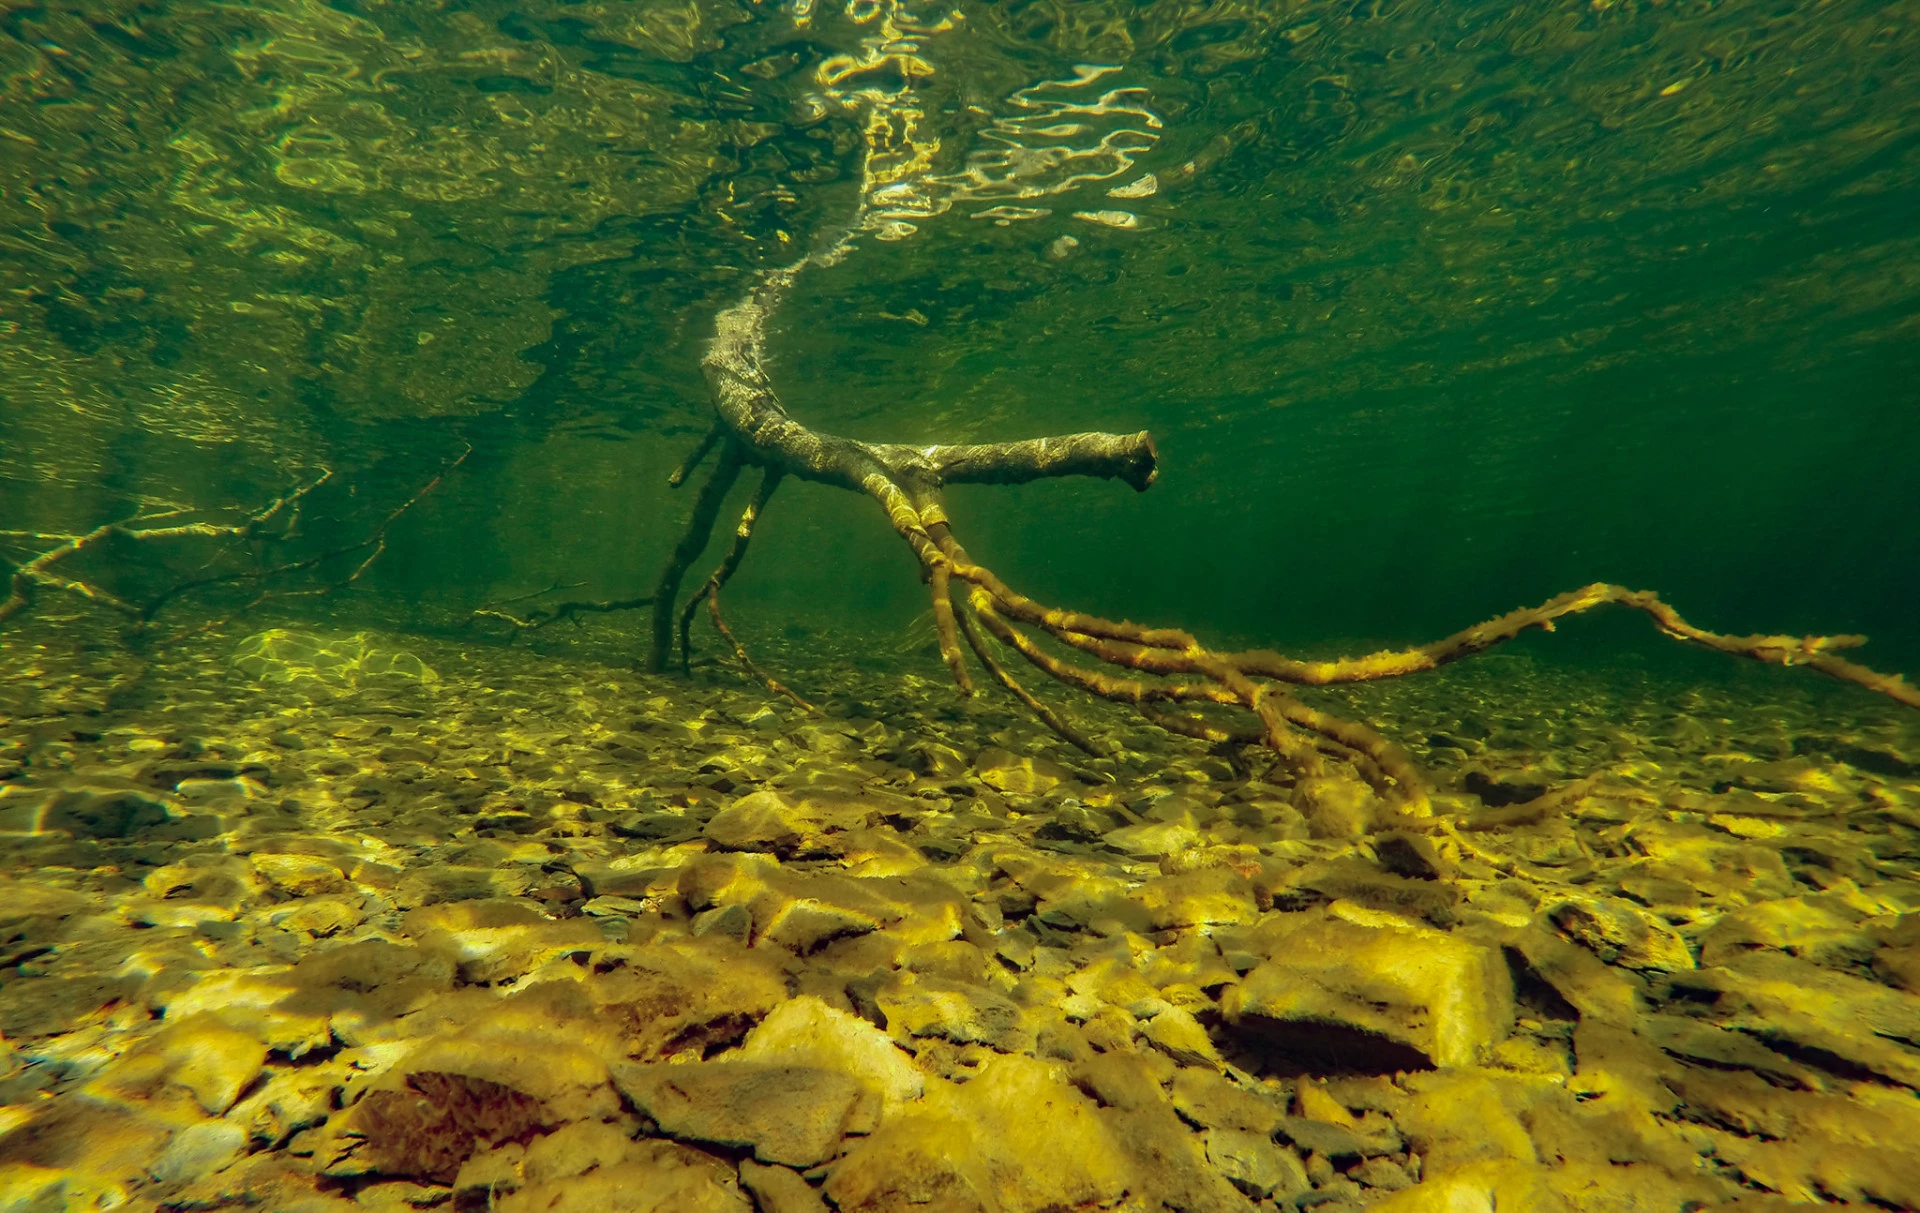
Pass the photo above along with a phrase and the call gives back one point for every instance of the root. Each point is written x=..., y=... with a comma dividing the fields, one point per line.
x=693, y=541
x=1046, y=715
x=569, y=611
x=736, y=552
x=740, y=652
x=1145, y=667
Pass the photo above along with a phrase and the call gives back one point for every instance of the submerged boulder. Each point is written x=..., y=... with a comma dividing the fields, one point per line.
x=1353, y=989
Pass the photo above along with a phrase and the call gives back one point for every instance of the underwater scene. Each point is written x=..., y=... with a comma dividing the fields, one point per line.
x=1019, y=606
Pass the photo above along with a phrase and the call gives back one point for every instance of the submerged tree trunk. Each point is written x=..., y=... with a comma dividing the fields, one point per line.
x=752, y=428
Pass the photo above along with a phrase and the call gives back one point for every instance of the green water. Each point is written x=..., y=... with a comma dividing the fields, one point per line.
x=1438, y=309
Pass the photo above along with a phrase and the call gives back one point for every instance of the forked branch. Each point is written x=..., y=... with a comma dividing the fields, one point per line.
x=1151, y=669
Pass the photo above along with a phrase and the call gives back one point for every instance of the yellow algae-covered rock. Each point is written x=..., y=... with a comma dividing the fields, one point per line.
x=1315, y=1102
x=1481, y=1188
x=1114, y=979
x=1812, y=1146
x=790, y=826
x=1154, y=839
x=319, y=917
x=77, y=1153
x=574, y=1149
x=1457, y=1117
x=460, y=882
x=691, y=997
x=1896, y=958
x=788, y=1114
x=1212, y=1102
x=1579, y=1187
x=1821, y=928
x=724, y=880
x=879, y=851
x=1335, y=806
x=489, y=940
x=299, y=875
x=280, y=655
x=364, y=985
x=1193, y=960
x=1782, y=998
x=802, y=911
x=1207, y=897
x=806, y=1031
x=200, y=1054
x=1179, y=1035
x=261, y=1001
x=290, y=1101
x=803, y=925
x=1621, y=933
x=1256, y=1164
x=1373, y=985
x=778, y=1190
x=1018, y=774
x=651, y=1177
x=202, y=1149
x=955, y=1011
x=227, y=881
x=1594, y=989
x=1016, y=1138
x=451, y=1096
x=1169, y=1165
x=1712, y=863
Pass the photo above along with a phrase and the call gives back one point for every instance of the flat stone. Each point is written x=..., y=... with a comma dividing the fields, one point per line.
x=803, y=925
x=1015, y=1138
x=1212, y=1101
x=806, y=1031
x=781, y=823
x=1208, y=897
x=572, y=1149
x=1154, y=839
x=688, y=998
x=788, y=1114
x=651, y=1177
x=198, y=1150
x=1025, y=776
x=1337, y=1141
x=734, y=922
x=82, y=811
x=1372, y=988
x=300, y=875
x=1179, y=1035
x=1253, y=1163
x=955, y=1011
x=779, y=1190
x=1335, y=806
x=201, y=1054
x=1621, y=933
x=1787, y=1001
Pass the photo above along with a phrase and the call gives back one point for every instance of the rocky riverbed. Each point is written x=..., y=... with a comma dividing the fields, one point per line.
x=309, y=921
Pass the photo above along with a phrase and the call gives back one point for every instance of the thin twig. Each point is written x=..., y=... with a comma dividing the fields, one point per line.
x=773, y=684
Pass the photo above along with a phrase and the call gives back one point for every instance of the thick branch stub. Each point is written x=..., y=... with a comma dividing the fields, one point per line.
x=747, y=405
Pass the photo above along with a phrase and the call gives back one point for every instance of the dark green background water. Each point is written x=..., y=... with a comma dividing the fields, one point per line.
x=1462, y=305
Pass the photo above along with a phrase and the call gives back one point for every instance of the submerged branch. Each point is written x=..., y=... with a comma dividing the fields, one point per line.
x=753, y=428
